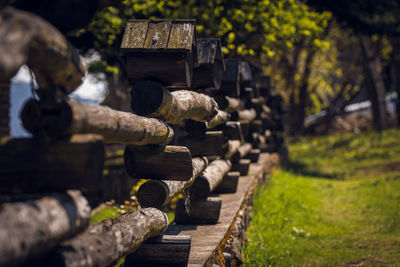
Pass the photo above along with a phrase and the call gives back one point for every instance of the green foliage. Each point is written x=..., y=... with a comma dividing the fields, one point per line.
x=336, y=206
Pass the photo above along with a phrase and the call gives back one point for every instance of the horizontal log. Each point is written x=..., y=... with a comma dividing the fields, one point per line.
x=164, y=250
x=151, y=99
x=28, y=39
x=158, y=162
x=233, y=131
x=208, y=180
x=27, y=165
x=103, y=244
x=244, y=115
x=31, y=228
x=202, y=212
x=213, y=144
x=114, y=126
x=242, y=151
x=242, y=167
x=233, y=147
x=253, y=155
x=158, y=193
x=228, y=104
x=221, y=118
x=229, y=183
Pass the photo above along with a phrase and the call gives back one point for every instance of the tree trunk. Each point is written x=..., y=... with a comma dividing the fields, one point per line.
x=395, y=75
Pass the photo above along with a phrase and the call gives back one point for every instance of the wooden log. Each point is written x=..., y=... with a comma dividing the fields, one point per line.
x=151, y=99
x=253, y=155
x=158, y=193
x=31, y=228
x=114, y=126
x=208, y=180
x=158, y=162
x=228, y=104
x=244, y=115
x=28, y=39
x=229, y=183
x=202, y=212
x=221, y=118
x=213, y=144
x=103, y=244
x=242, y=166
x=241, y=152
x=233, y=147
x=164, y=250
x=233, y=131
x=27, y=165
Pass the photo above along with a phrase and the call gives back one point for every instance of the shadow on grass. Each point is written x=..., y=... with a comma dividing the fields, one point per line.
x=299, y=168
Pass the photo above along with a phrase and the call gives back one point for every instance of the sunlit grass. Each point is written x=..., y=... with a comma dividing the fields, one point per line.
x=337, y=205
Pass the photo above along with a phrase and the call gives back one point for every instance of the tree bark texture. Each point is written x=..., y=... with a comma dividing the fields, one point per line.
x=150, y=99
x=202, y=212
x=165, y=250
x=28, y=39
x=31, y=228
x=114, y=126
x=208, y=180
x=103, y=244
x=28, y=166
x=158, y=193
x=158, y=162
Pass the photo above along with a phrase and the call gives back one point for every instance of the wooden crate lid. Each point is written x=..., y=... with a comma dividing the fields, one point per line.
x=174, y=35
x=209, y=52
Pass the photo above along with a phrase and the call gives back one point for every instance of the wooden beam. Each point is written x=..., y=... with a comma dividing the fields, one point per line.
x=29, y=165
x=151, y=99
x=213, y=144
x=28, y=39
x=202, y=212
x=208, y=180
x=103, y=244
x=114, y=126
x=32, y=228
x=158, y=193
x=158, y=162
x=164, y=250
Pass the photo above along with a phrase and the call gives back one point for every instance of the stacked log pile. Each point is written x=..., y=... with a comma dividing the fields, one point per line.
x=197, y=122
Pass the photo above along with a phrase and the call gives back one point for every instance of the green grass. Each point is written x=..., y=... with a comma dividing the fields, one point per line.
x=338, y=204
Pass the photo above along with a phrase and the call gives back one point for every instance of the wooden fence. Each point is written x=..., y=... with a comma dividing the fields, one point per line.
x=199, y=125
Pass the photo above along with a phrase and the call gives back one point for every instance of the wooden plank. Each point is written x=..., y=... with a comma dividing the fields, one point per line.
x=157, y=34
x=181, y=35
x=135, y=34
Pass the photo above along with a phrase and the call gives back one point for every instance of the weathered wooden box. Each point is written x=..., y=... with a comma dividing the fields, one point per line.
x=211, y=64
x=161, y=50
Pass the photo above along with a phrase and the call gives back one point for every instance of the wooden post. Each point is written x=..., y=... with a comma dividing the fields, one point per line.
x=30, y=229
x=253, y=155
x=202, y=212
x=229, y=104
x=158, y=193
x=28, y=39
x=229, y=183
x=72, y=117
x=28, y=165
x=208, y=180
x=244, y=115
x=164, y=250
x=103, y=244
x=4, y=108
x=158, y=162
x=213, y=144
x=242, y=166
x=151, y=99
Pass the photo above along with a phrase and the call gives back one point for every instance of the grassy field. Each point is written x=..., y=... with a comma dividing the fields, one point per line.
x=337, y=205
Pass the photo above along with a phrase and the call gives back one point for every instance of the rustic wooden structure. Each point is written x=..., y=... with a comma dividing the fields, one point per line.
x=208, y=180
x=213, y=144
x=28, y=165
x=233, y=147
x=72, y=117
x=233, y=131
x=244, y=115
x=201, y=212
x=161, y=50
x=158, y=193
x=103, y=244
x=242, y=166
x=221, y=118
x=31, y=228
x=158, y=162
x=229, y=104
x=246, y=76
x=241, y=152
x=211, y=64
x=263, y=85
x=198, y=129
x=151, y=99
x=28, y=39
x=229, y=183
x=164, y=250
